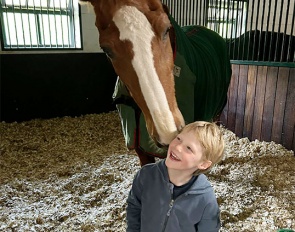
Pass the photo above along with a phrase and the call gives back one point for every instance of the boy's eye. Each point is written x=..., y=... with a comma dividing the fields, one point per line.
x=189, y=148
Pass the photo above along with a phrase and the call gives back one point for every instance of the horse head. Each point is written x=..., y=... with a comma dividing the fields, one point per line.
x=135, y=36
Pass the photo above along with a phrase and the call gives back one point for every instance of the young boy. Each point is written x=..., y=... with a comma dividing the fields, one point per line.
x=173, y=195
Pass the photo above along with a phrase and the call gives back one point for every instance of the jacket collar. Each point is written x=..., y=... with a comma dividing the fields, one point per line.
x=201, y=185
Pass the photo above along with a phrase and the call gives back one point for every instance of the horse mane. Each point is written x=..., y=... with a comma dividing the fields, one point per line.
x=171, y=31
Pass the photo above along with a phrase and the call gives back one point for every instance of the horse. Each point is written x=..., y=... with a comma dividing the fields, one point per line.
x=167, y=75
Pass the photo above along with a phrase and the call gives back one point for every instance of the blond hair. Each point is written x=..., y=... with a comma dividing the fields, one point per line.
x=211, y=139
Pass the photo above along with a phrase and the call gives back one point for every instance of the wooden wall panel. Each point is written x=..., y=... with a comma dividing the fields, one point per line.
x=232, y=101
x=270, y=94
x=288, y=137
x=223, y=116
x=261, y=104
x=259, y=101
x=250, y=98
x=241, y=100
x=280, y=102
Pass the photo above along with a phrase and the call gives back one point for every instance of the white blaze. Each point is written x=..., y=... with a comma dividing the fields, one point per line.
x=134, y=26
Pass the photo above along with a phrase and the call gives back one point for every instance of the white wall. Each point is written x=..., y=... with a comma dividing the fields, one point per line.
x=89, y=31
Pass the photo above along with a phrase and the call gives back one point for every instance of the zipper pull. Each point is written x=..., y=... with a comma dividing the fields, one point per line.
x=170, y=207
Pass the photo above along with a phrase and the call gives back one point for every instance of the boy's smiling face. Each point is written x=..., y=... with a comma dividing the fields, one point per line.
x=185, y=153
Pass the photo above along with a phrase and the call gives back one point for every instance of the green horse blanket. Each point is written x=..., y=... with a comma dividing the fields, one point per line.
x=202, y=73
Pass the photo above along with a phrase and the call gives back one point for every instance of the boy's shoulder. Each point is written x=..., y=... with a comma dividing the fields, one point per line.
x=153, y=169
x=157, y=164
x=202, y=184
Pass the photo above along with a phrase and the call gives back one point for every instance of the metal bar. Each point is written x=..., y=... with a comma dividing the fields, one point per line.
x=229, y=25
x=17, y=44
x=192, y=12
x=219, y=15
x=272, y=31
x=37, y=24
x=267, y=26
x=22, y=20
x=183, y=13
x=214, y=16
x=61, y=25
x=251, y=23
x=255, y=32
x=68, y=26
x=55, y=26
x=197, y=17
x=48, y=4
x=8, y=27
x=232, y=24
x=32, y=10
x=289, y=56
x=263, y=63
x=205, y=14
x=174, y=12
x=285, y=32
x=29, y=22
x=261, y=30
x=178, y=12
x=279, y=31
x=236, y=27
x=227, y=21
x=74, y=25
x=223, y=18
x=42, y=41
x=240, y=21
x=246, y=20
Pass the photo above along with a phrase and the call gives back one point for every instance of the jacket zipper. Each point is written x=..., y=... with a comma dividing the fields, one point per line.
x=170, y=207
x=168, y=214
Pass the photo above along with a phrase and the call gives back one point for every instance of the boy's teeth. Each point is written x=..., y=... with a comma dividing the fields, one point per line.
x=174, y=156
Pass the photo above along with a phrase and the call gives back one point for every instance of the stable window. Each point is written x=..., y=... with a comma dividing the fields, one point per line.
x=40, y=24
x=228, y=18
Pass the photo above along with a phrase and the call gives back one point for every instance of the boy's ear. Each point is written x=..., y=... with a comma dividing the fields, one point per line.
x=206, y=164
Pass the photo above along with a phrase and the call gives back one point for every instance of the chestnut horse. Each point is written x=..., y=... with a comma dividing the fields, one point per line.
x=151, y=54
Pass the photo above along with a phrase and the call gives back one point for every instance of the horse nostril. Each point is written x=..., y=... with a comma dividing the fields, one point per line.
x=179, y=129
x=160, y=145
x=158, y=142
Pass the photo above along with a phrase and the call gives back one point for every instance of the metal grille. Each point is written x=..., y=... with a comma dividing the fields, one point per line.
x=255, y=30
x=40, y=24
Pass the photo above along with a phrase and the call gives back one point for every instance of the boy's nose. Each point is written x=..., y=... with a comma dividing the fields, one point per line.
x=178, y=147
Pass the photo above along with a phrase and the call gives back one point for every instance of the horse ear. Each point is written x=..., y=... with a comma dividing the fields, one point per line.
x=166, y=9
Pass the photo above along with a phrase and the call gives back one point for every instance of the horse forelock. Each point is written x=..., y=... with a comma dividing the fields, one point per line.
x=134, y=26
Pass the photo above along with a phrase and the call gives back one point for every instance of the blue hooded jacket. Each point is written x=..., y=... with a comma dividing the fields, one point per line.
x=151, y=207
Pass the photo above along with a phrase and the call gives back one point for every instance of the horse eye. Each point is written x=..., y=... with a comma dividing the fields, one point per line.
x=108, y=52
x=166, y=33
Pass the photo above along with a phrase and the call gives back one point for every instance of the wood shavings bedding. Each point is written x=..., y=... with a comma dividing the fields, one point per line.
x=74, y=174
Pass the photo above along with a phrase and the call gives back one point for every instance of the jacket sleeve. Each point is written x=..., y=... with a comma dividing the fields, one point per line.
x=133, y=217
x=210, y=221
